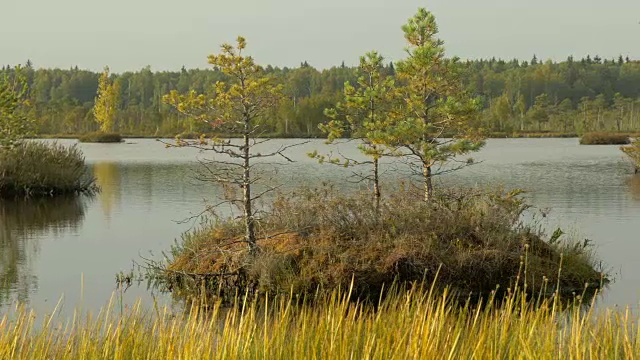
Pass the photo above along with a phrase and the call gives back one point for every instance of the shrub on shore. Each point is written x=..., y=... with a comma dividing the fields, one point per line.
x=602, y=138
x=33, y=169
x=633, y=151
x=100, y=137
x=474, y=241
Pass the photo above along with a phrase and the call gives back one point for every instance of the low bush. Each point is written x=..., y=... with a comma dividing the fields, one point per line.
x=473, y=241
x=603, y=138
x=99, y=137
x=33, y=169
x=633, y=151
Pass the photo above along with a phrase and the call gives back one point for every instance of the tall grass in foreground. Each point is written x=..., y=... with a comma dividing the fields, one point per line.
x=411, y=325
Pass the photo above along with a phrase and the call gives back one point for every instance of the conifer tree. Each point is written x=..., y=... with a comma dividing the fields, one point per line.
x=237, y=106
x=436, y=118
x=364, y=114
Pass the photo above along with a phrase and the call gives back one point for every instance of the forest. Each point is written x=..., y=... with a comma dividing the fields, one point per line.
x=571, y=97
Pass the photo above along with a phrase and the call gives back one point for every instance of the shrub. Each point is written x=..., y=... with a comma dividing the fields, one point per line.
x=32, y=169
x=99, y=137
x=633, y=152
x=602, y=138
x=474, y=241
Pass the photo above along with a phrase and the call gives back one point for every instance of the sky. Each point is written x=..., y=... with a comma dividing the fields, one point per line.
x=168, y=34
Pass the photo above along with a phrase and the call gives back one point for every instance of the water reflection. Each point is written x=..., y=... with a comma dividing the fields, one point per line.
x=634, y=186
x=107, y=177
x=21, y=221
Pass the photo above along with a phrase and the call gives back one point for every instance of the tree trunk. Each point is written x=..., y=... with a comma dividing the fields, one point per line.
x=250, y=235
x=428, y=185
x=376, y=182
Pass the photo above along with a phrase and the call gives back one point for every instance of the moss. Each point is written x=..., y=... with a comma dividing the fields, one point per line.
x=473, y=242
x=34, y=169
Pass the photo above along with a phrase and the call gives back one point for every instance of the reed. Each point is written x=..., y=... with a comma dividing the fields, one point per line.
x=35, y=169
x=414, y=324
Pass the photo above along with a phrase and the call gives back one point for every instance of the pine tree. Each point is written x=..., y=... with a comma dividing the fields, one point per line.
x=364, y=114
x=436, y=121
x=237, y=107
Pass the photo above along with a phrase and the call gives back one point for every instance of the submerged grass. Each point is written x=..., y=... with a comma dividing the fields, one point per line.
x=414, y=324
x=35, y=169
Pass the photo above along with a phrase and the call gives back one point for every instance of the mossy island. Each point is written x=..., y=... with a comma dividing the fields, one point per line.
x=468, y=240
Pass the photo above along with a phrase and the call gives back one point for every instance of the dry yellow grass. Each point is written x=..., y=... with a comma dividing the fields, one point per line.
x=414, y=325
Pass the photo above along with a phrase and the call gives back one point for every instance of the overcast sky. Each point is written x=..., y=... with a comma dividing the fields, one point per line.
x=166, y=34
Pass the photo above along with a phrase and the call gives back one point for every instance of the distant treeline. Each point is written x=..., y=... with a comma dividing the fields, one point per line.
x=590, y=94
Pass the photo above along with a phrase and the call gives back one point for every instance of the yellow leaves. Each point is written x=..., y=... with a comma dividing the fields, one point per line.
x=235, y=103
x=106, y=103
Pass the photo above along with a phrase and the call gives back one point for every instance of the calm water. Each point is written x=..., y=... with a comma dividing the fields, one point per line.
x=71, y=249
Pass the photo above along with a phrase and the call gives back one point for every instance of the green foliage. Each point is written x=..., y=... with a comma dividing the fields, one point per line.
x=63, y=98
x=437, y=122
x=34, y=169
x=100, y=137
x=600, y=138
x=15, y=124
x=106, y=102
x=472, y=240
x=365, y=114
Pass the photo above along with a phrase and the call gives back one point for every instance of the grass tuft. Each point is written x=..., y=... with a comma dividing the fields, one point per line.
x=602, y=138
x=99, y=137
x=34, y=169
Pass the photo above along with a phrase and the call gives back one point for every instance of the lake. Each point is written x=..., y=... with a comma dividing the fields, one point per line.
x=70, y=249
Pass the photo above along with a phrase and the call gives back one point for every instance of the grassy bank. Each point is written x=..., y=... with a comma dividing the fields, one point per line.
x=34, y=169
x=98, y=137
x=320, y=239
x=415, y=325
x=602, y=138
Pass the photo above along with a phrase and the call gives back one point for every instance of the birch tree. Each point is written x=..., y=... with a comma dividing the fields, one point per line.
x=106, y=103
